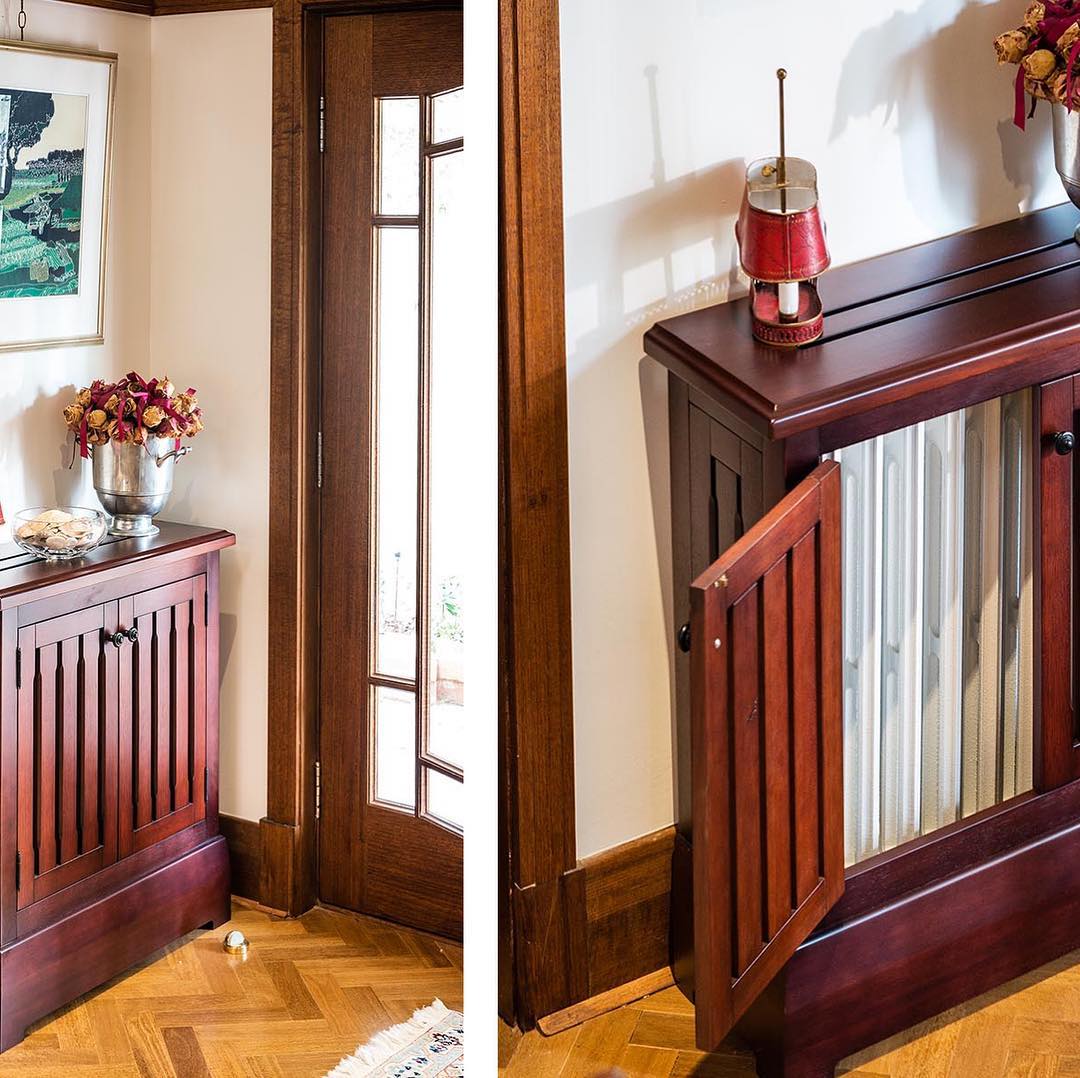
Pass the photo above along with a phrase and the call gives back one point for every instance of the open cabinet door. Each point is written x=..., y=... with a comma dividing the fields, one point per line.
x=767, y=746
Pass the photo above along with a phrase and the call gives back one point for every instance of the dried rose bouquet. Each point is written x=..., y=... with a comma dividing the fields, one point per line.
x=132, y=410
x=1047, y=51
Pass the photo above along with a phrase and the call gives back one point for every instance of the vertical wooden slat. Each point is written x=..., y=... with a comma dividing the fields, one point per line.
x=181, y=711
x=199, y=662
x=90, y=744
x=46, y=759
x=27, y=805
x=162, y=713
x=804, y=703
x=780, y=899
x=142, y=721
x=68, y=718
x=746, y=777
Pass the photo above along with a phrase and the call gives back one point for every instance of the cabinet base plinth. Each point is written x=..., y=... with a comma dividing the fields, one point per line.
x=50, y=968
x=923, y=953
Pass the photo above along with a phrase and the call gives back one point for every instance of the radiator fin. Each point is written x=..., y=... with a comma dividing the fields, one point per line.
x=937, y=626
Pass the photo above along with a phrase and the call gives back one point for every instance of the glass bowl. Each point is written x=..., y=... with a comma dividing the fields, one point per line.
x=60, y=533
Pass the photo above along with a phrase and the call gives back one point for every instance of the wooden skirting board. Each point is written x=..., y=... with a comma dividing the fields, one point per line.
x=245, y=855
x=627, y=899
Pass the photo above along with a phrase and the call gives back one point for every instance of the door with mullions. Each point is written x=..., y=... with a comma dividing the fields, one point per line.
x=392, y=687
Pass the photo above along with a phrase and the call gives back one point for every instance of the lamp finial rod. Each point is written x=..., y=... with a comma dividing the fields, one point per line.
x=781, y=75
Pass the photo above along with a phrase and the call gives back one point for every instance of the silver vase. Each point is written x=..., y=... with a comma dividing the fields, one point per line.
x=133, y=482
x=1067, y=153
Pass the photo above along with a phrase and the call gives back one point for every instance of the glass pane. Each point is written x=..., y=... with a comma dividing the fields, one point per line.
x=938, y=622
x=446, y=799
x=395, y=747
x=449, y=411
x=448, y=116
x=399, y=155
x=396, y=460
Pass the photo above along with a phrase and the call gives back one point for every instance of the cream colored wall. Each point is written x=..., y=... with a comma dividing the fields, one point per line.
x=188, y=295
x=210, y=226
x=903, y=110
x=34, y=386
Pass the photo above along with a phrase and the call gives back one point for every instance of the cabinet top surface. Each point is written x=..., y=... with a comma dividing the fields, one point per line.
x=912, y=322
x=21, y=572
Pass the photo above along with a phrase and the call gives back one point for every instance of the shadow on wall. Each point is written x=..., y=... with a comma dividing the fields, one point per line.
x=969, y=163
x=656, y=253
x=23, y=425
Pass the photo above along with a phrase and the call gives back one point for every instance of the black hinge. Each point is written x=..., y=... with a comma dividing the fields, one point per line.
x=318, y=460
x=322, y=125
x=18, y=870
x=18, y=668
x=206, y=783
x=318, y=790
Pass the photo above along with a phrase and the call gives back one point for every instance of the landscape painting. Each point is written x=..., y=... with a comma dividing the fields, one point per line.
x=42, y=154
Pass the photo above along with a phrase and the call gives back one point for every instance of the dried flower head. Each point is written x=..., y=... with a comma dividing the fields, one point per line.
x=73, y=414
x=97, y=419
x=152, y=416
x=1036, y=12
x=1011, y=46
x=1041, y=64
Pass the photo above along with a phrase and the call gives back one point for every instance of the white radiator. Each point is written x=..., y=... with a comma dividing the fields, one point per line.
x=937, y=622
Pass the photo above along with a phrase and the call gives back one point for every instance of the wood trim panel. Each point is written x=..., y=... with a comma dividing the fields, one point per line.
x=245, y=855
x=549, y=915
x=288, y=866
x=617, y=906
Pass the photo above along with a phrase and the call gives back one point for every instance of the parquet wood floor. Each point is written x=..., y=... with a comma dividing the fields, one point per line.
x=1029, y=1028
x=309, y=991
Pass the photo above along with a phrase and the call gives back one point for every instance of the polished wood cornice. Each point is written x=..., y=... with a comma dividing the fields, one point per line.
x=172, y=7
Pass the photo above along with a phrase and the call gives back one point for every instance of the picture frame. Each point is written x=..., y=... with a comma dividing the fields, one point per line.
x=56, y=126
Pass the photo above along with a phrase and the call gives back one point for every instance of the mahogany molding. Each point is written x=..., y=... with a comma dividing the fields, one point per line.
x=542, y=936
x=245, y=855
x=173, y=7
x=615, y=907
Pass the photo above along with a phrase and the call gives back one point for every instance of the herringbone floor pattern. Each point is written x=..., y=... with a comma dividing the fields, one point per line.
x=1029, y=1028
x=309, y=991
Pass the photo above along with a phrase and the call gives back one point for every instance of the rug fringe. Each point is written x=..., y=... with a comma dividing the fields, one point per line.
x=383, y=1045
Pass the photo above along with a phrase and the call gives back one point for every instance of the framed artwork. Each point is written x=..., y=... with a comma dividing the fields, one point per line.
x=55, y=145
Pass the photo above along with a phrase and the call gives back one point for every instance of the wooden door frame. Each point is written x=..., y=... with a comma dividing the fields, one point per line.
x=543, y=937
x=288, y=871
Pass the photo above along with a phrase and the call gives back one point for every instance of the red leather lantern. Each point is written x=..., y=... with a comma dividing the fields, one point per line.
x=782, y=249
x=782, y=245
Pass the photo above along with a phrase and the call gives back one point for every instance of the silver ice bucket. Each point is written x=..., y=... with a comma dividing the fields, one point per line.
x=133, y=482
x=1067, y=153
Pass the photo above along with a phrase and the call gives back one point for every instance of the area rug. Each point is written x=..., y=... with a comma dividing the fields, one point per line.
x=430, y=1045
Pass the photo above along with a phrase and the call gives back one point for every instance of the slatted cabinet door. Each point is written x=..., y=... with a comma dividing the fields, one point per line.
x=67, y=745
x=767, y=743
x=163, y=775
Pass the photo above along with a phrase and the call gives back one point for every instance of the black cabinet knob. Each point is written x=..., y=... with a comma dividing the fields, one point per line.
x=684, y=637
x=133, y=634
x=1064, y=443
x=118, y=639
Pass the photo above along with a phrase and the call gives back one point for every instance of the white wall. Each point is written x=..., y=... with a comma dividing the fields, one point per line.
x=34, y=386
x=902, y=108
x=188, y=296
x=211, y=81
